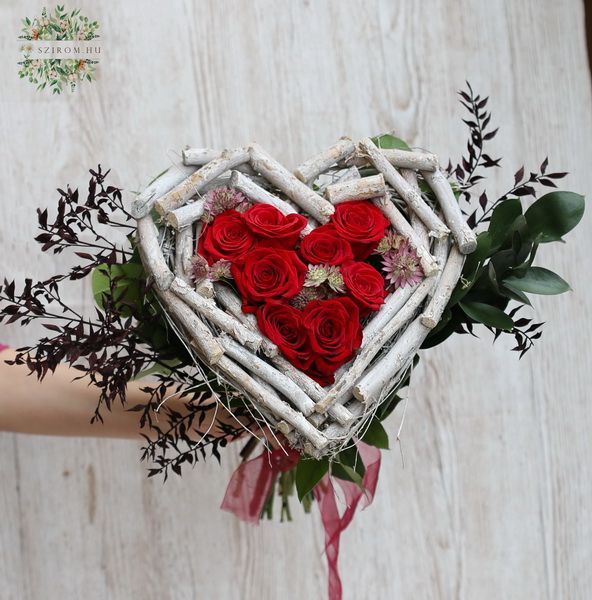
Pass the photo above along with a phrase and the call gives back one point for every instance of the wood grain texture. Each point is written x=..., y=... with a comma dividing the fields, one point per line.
x=494, y=499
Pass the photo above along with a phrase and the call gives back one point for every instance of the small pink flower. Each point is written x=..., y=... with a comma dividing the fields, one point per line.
x=199, y=268
x=220, y=270
x=402, y=267
x=222, y=199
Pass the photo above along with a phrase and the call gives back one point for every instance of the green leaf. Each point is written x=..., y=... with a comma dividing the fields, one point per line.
x=538, y=280
x=388, y=141
x=503, y=217
x=514, y=294
x=375, y=435
x=308, y=473
x=127, y=287
x=347, y=473
x=487, y=314
x=553, y=215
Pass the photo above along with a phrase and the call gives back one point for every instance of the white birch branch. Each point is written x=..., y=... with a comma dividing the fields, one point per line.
x=309, y=170
x=144, y=201
x=298, y=192
x=450, y=276
x=232, y=303
x=356, y=189
x=201, y=156
x=198, y=333
x=282, y=410
x=183, y=253
x=262, y=369
x=463, y=234
x=207, y=309
x=186, y=215
x=151, y=253
x=177, y=197
x=408, y=159
x=411, y=195
x=369, y=388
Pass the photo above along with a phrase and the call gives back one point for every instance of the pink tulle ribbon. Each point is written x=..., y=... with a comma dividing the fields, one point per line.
x=251, y=483
x=3, y=347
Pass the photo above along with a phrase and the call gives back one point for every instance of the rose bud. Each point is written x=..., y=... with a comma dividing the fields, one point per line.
x=362, y=223
x=272, y=227
x=325, y=246
x=266, y=274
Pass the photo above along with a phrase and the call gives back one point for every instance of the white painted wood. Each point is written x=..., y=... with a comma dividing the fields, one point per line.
x=494, y=498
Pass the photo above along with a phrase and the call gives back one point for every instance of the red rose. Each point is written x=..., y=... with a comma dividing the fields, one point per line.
x=267, y=273
x=227, y=237
x=283, y=325
x=272, y=227
x=365, y=285
x=335, y=334
x=325, y=246
x=362, y=223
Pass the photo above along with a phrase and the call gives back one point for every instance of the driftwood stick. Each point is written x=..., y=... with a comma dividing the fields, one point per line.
x=151, y=253
x=463, y=234
x=417, y=224
x=450, y=275
x=200, y=337
x=204, y=287
x=232, y=303
x=262, y=369
x=336, y=433
x=408, y=159
x=374, y=343
x=298, y=192
x=356, y=189
x=428, y=262
x=256, y=193
x=177, y=197
x=370, y=387
x=393, y=304
x=341, y=176
x=186, y=215
x=282, y=410
x=173, y=176
x=201, y=156
x=411, y=195
x=207, y=308
x=183, y=253
x=309, y=170
x=420, y=229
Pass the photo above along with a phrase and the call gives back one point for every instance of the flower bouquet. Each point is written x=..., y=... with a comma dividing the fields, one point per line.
x=295, y=302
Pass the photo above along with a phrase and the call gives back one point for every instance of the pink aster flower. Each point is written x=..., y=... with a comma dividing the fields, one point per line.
x=222, y=199
x=199, y=268
x=401, y=267
x=220, y=270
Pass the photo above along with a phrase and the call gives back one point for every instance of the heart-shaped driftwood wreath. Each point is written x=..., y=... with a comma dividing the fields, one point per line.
x=410, y=190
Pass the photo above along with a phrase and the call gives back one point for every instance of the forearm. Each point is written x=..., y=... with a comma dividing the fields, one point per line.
x=60, y=406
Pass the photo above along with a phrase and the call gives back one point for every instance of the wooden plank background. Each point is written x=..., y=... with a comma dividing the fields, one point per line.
x=494, y=499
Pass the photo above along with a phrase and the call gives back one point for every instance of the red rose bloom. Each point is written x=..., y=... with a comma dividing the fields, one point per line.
x=365, y=285
x=324, y=246
x=362, y=223
x=335, y=334
x=272, y=227
x=266, y=274
x=282, y=324
x=227, y=237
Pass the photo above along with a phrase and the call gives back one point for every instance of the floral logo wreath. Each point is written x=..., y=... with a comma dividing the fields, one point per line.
x=57, y=73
